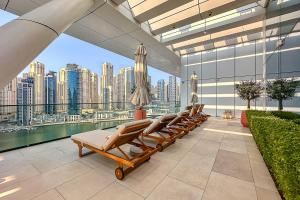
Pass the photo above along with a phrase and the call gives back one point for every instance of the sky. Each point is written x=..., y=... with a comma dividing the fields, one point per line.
x=66, y=49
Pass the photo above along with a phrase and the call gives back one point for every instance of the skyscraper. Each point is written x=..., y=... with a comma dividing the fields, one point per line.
x=85, y=88
x=129, y=83
x=106, y=85
x=37, y=72
x=62, y=92
x=178, y=92
x=161, y=90
x=94, y=90
x=166, y=92
x=25, y=100
x=8, y=96
x=172, y=88
x=121, y=88
x=50, y=93
x=73, y=89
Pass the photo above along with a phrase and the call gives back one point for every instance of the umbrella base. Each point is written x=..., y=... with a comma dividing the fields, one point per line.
x=140, y=114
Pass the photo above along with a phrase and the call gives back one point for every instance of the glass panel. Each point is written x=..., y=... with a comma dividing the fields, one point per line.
x=24, y=125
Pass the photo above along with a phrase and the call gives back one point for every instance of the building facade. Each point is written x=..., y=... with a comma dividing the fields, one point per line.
x=8, y=100
x=62, y=92
x=73, y=89
x=37, y=72
x=25, y=101
x=50, y=93
x=220, y=69
x=85, y=88
x=94, y=90
x=129, y=83
x=172, y=88
x=106, y=86
x=161, y=90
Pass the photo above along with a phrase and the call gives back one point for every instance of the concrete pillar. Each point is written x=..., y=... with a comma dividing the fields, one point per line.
x=21, y=40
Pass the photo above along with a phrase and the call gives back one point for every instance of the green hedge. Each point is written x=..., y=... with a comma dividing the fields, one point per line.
x=286, y=115
x=297, y=121
x=279, y=143
x=251, y=113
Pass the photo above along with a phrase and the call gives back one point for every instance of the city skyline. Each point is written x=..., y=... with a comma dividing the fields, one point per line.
x=67, y=49
x=75, y=90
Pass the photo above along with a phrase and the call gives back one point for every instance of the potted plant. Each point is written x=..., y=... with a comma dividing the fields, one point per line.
x=281, y=89
x=248, y=90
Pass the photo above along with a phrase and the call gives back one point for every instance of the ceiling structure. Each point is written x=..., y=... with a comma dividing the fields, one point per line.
x=171, y=28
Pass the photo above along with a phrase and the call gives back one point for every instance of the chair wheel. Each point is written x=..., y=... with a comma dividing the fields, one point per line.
x=148, y=159
x=119, y=173
x=173, y=141
x=159, y=147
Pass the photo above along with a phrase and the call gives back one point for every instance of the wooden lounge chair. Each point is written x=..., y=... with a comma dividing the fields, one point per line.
x=186, y=120
x=178, y=125
x=158, y=132
x=194, y=116
x=189, y=107
x=104, y=143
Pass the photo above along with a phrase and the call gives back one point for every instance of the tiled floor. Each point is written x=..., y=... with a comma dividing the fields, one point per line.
x=218, y=160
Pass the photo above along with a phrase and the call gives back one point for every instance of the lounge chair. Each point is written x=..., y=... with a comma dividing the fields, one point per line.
x=201, y=114
x=194, y=116
x=158, y=132
x=178, y=125
x=187, y=120
x=103, y=142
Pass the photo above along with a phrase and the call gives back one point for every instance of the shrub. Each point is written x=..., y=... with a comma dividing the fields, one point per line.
x=251, y=113
x=297, y=121
x=279, y=143
x=285, y=115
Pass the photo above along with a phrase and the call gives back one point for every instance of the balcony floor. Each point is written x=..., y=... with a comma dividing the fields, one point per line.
x=218, y=160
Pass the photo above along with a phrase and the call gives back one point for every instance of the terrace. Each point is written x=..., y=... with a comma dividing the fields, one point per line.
x=222, y=42
x=218, y=160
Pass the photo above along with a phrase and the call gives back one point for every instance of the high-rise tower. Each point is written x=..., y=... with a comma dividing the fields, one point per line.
x=37, y=72
x=8, y=97
x=25, y=101
x=161, y=90
x=62, y=92
x=106, y=85
x=50, y=93
x=73, y=89
x=85, y=88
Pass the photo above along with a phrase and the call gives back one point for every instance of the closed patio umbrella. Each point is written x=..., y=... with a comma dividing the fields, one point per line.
x=194, y=85
x=141, y=94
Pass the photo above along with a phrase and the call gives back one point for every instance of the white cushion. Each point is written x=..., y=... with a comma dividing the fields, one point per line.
x=95, y=138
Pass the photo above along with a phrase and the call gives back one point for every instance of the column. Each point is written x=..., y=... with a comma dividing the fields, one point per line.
x=21, y=40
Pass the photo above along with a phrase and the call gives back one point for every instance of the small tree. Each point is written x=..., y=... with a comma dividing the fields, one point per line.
x=281, y=89
x=249, y=90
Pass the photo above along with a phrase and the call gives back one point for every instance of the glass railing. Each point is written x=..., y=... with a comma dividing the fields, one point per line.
x=25, y=125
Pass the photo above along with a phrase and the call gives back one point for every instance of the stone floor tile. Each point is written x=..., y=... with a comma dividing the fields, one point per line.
x=263, y=194
x=116, y=191
x=174, y=189
x=233, y=164
x=37, y=185
x=234, y=146
x=223, y=187
x=206, y=148
x=146, y=177
x=261, y=175
x=86, y=185
x=212, y=136
x=49, y=195
x=194, y=169
x=22, y=172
